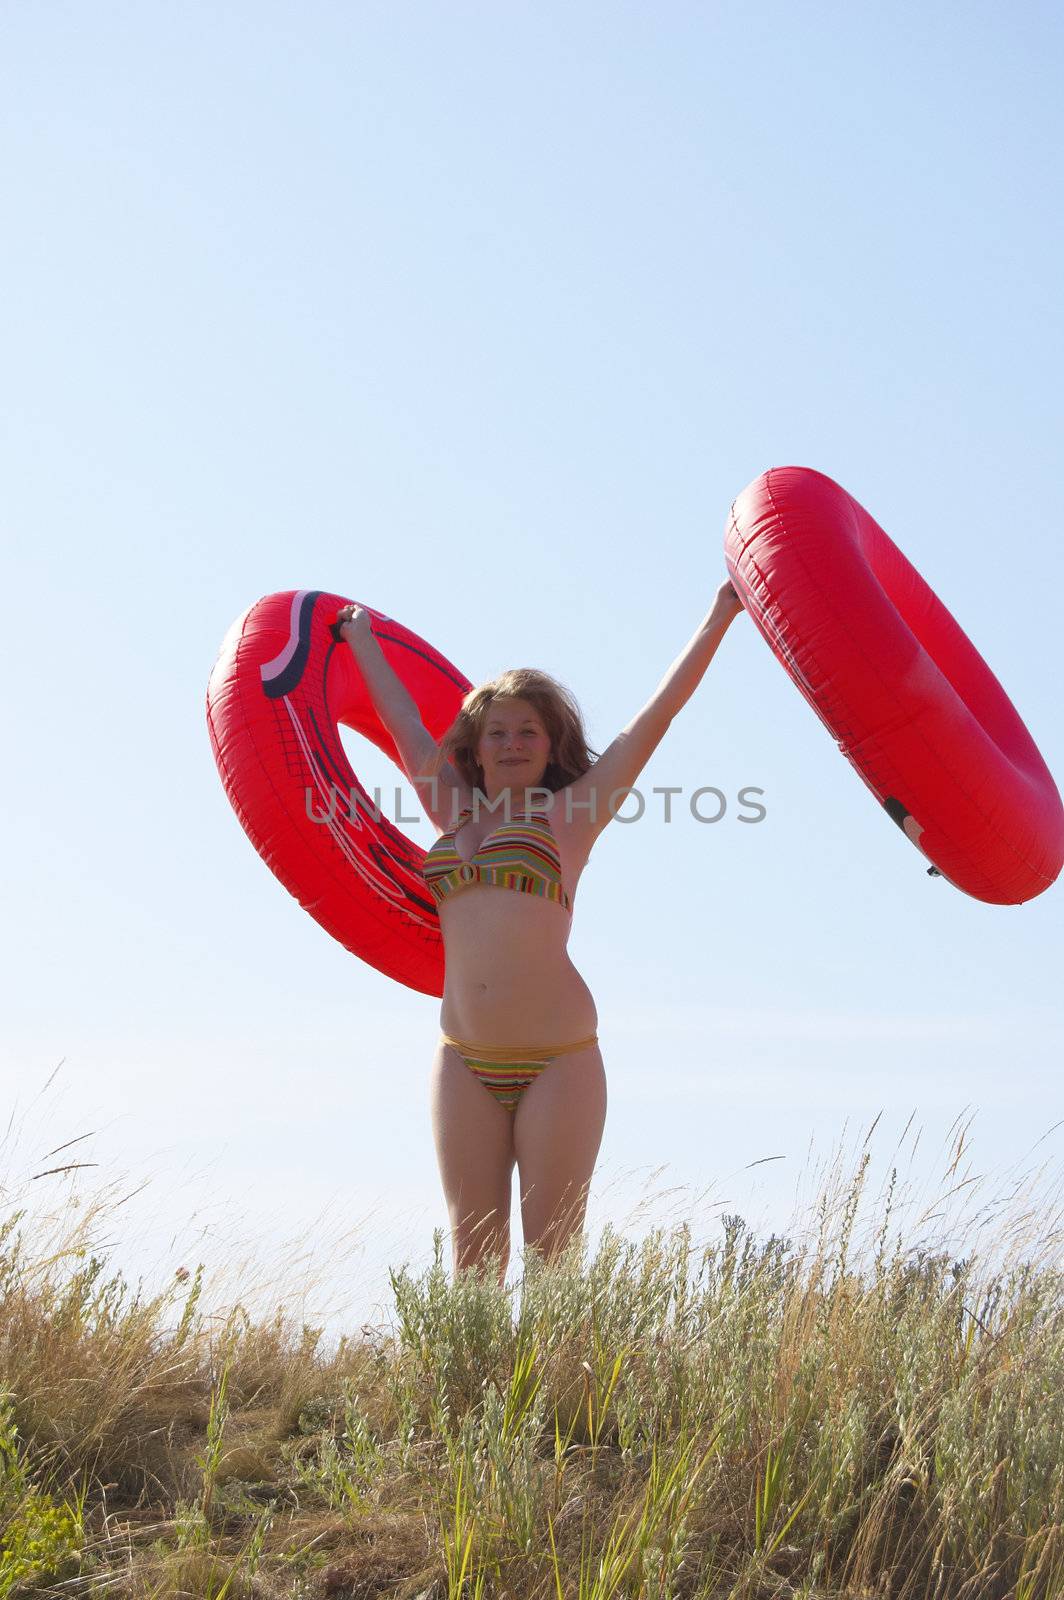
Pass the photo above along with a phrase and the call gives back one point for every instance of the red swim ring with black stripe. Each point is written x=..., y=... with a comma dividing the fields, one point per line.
x=898, y=684
x=283, y=683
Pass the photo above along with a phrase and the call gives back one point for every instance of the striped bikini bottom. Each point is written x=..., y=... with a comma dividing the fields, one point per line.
x=507, y=1072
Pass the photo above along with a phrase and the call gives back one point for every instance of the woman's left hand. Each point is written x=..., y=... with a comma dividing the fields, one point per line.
x=727, y=603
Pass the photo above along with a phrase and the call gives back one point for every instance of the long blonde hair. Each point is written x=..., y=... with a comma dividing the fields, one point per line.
x=571, y=755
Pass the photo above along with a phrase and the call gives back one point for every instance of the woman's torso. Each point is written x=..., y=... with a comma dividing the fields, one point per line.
x=508, y=976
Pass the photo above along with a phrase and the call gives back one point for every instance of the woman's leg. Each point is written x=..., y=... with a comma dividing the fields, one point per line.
x=474, y=1138
x=557, y=1133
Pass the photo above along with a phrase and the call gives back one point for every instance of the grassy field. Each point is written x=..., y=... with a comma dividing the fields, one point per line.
x=662, y=1419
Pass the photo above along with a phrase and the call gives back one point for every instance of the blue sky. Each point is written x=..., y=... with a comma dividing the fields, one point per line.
x=483, y=315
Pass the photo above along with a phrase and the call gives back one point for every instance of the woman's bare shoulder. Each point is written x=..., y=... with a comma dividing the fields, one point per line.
x=444, y=801
x=570, y=827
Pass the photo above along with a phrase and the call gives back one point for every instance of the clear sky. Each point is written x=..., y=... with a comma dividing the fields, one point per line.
x=482, y=315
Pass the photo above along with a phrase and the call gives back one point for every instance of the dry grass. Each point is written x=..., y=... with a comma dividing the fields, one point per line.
x=667, y=1420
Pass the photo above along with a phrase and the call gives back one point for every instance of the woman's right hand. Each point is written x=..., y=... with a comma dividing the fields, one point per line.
x=353, y=623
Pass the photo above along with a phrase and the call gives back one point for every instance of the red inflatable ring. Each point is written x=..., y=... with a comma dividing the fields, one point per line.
x=282, y=684
x=898, y=684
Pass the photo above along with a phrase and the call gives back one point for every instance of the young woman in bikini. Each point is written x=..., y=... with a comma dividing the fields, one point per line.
x=518, y=801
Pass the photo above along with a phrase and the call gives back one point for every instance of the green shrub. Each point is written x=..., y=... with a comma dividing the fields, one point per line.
x=40, y=1539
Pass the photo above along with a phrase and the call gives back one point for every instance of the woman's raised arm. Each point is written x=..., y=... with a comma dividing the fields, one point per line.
x=586, y=802
x=398, y=710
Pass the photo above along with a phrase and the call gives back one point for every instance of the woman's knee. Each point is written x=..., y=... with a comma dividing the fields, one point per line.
x=480, y=1221
x=491, y=1255
x=551, y=1214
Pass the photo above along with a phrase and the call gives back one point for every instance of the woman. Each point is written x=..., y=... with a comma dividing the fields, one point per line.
x=518, y=802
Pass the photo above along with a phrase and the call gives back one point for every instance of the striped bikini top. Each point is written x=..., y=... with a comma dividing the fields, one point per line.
x=521, y=855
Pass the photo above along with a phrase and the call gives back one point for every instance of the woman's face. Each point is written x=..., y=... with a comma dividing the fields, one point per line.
x=514, y=746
